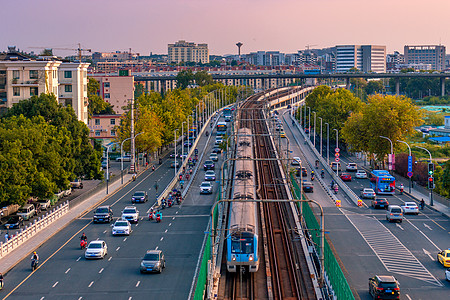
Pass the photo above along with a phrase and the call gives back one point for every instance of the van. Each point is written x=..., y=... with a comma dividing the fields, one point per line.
x=394, y=213
x=336, y=166
x=27, y=211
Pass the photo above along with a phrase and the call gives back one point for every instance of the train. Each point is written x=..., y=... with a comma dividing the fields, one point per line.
x=242, y=230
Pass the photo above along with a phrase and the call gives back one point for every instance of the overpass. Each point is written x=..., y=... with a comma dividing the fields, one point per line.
x=156, y=82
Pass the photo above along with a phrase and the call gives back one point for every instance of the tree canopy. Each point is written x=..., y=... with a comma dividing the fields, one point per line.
x=97, y=106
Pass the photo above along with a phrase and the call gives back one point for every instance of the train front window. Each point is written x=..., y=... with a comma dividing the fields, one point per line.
x=242, y=246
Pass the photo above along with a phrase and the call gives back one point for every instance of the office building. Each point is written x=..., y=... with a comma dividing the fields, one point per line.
x=366, y=58
x=426, y=54
x=183, y=51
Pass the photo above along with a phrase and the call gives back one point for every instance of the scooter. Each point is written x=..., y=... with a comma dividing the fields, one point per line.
x=170, y=203
x=336, y=189
x=312, y=177
x=153, y=168
x=34, y=264
x=151, y=216
x=163, y=205
x=83, y=244
x=322, y=175
x=401, y=191
x=158, y=218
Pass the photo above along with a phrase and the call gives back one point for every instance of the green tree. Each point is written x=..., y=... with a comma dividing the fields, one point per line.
x=202, y=78
x=184, y=78
x=138, y=90
x=374, y=86
x=97, y=106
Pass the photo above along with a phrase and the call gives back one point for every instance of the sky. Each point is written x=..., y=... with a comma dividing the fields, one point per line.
x=285, y=25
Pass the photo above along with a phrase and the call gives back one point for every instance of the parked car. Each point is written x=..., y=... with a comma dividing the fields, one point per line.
x=394, y=213
x=14, y=222
x=103, y=214
x=131, y=214
x=96, y=249
x=308, y=187
x=153, y=261
x=206, y=188
x=410, y=208
x=379, y=203
x=384, y=287
x=210, y=175
x=351, y=167
x=45, y=204
x=76, y=184
x=121, y=227
x=27, y=211
x=346, y=177
x=214, y=157
x=208, y=165
x=139, y=197
x=361, y=174
x=367, y=193
x=124, y=158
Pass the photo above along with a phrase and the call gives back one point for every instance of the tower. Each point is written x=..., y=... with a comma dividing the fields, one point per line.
x=239, y=45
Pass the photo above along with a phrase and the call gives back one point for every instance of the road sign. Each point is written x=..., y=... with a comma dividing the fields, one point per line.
x=336, y=154
x=409, y=163
x=337, y=150
x=336, y=159
x=410, y=174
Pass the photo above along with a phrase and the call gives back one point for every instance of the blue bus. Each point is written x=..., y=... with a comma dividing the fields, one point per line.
x=382, y=182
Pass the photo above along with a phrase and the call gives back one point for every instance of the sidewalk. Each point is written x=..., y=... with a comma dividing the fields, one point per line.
x=10, y=260
x=418, y=192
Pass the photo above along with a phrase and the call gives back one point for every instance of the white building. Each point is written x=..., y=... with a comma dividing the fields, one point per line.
x=366, y=58
x=183, y=51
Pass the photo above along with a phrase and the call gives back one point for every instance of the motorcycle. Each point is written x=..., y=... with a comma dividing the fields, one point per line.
x=179, y=199
x=163, y=205
x=206, y=133
x=158, y=218
x=83, y=244
x=151, y=216
x=153, y=168
x=170, y=203
x=312, y=177
x=322, y=175
x=336, y=189
x=34, y=264
x=401, y=190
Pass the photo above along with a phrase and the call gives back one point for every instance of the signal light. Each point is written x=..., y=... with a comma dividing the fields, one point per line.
x=430, y=183
x=430, y=169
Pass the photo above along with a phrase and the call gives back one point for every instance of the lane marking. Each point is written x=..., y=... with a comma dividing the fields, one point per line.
x=103, y=232
x=170, y=224
x=130, y=298
x=427, y=226
x=161, y=239
x=137, y=224
x=78, y=259
x=421, y=232
x=42, y=298
x=399, y=226
x=137, y=284
x=124, y=239
x=142, y=218
x=101, y=270
x=109, y=259
x=176, y=212
x=428, y=254
x=56, y=283
x=67, y=271
x=165, y=231
x=80, y=298
x=90, y=284
x=173, y=218
x=156, y=248
x=407, y=296
x=117, y=248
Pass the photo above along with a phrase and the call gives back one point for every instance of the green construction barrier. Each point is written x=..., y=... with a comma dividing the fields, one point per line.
x=332, y=268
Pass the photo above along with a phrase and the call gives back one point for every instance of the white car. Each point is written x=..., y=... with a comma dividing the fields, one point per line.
x=296, y=161
x=210, y=175
x=410, y=208
x=361, y=174
x=45, y=203
x=131, y=214
x=351, y=167
x=96, y=249
x=214, y=157
x=447, y=274
x=121, y=227
x=368, y=193
x=206, y=188
x=124, y=158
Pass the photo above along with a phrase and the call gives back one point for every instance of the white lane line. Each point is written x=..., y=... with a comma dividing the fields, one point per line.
x=124, y=239
x=80, y=298
x=67, y=271
x=56, y=283
x=407, y=296
x=173, y=218
x=170, y=224
x=104, y=231
x=176, y=212
x=427, y=226
x=90, y=284
x=428, y=254
x=137, y=224
x=42, y=298
x=156, y=248
x=117, y=248
x=399, y=226
x=165, y=231
x=161, y=238
x=130, y=298
x=101, y=270
x=142, y=218
x=109, y=259
x=78, y=258
x=421, y=232
x=137, y=284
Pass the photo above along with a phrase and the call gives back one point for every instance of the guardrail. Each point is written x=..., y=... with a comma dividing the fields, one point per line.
x=30, y=230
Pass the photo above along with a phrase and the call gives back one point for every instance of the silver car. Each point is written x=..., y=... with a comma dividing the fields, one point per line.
x=96, y=249
x=394, y=213
x=210, y=175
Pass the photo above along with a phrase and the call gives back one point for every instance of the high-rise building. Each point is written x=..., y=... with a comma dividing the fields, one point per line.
x=183, y=51
x=366, y=58
x=426, y=54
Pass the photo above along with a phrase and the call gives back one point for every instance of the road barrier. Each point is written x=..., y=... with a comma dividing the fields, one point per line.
x=29, y=231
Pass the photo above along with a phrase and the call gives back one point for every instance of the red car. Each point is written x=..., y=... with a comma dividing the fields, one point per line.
x=346, y=177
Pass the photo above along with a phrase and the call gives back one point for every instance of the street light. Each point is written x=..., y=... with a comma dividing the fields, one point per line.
x=431, y=161
x=409, y=155
x=107, y=165
x=121, y=154
x=314, y=136
x=320, y=136
x=392, y=152
x=337, y=147
x=309, y=123
x=175, y=141
x=328, y=143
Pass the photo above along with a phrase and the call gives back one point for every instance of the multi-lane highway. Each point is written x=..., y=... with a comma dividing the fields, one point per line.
x=368, y=245
x=65, y=273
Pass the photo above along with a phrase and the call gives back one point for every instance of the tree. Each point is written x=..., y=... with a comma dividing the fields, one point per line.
x=138, y=90
x=374, y=86
x=202, y=78
x=97, y=106
x=184, y=79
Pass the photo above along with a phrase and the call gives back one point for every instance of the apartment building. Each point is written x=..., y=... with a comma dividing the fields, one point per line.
x=426, y=54
x=103, y=127
x=183, y=51
x=394, y=60
x=366, y=58
x=116, y=90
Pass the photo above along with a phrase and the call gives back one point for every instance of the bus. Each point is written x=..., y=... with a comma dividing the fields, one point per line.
x=227, y=114
x=221, y=127
x=382, y=182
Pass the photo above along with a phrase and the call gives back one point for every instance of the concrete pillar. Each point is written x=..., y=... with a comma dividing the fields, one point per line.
x=442, y=86
x=397, y=86
x=347, y=83
x=146, y=86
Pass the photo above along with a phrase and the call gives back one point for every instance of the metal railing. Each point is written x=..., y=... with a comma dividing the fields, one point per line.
x=32, y=229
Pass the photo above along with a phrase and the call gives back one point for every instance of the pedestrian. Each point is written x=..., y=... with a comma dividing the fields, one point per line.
x=422, y=204
x=6, y=237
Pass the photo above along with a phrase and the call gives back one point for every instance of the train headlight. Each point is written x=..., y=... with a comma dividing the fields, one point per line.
x=250, y=258
x=233, y=257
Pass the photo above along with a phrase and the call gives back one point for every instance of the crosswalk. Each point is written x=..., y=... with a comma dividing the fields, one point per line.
x=395, y=257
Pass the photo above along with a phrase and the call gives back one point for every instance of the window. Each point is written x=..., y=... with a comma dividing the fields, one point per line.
x=97, y=121
x=68, y=88
x=106, y=84
x=107, y=96
x=67, y=74
x=16, y=74
x=113, y=132
x=33, y=74
x=16, y=91
x=113, y=121
x=97, y=132
x=33, y=91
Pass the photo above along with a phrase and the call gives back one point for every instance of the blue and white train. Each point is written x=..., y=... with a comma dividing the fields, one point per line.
x=242, y=233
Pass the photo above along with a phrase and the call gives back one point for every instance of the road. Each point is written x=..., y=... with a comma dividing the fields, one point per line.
x=367, y=244
x=64, y=272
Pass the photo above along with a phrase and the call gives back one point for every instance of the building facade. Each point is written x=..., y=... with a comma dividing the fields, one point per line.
x=116, y=90
x=103, y=127
x=183, y=51
x=366, y=58
x=394, y=60
x=426, y=54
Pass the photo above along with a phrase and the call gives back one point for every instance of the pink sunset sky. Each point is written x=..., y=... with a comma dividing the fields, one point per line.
x=286, y=25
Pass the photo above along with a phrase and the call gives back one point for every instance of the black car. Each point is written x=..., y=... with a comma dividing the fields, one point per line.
x=379, y=203
x=14, y=222
x=103, y=214
x=217, y=150
x=209, y=165
x=384, y=287
x=139, y=197
x=308, y=187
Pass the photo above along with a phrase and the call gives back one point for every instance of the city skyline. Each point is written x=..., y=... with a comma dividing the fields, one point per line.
x=285, y=26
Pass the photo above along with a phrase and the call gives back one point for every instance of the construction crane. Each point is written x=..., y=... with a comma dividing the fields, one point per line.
x=309, y=46
x=79, y=50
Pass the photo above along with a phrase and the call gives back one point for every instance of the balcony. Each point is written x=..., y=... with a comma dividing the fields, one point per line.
x=32, y=82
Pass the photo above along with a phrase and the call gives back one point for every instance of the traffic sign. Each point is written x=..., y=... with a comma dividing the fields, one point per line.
x=336, y=159
x=410, y=174
x=337, y=150
x=409, y=163
x=336, y=154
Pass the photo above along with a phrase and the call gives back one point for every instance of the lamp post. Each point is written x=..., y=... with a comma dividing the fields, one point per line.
x=309, y=123
x=314, y=136
x=409, y=155
x=320, y=136
x=175, y=141
x=107, y=165
x=337, y=146
x=121, y=156
x=431, y=161
x=328, y=143
x=392, y=152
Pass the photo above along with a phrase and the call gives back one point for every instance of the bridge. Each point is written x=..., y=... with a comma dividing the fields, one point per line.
x=152, y=81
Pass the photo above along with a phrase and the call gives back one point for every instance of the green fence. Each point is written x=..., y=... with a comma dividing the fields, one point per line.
x=332, y=268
